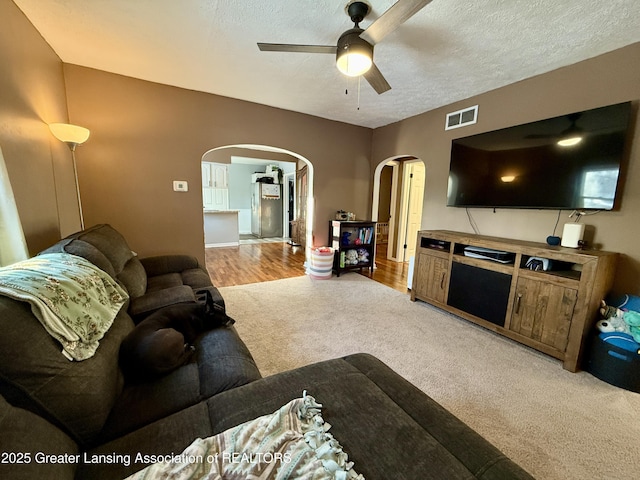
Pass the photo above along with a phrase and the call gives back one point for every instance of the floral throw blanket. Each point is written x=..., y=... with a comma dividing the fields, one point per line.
x=291, y=443
x=74, y=300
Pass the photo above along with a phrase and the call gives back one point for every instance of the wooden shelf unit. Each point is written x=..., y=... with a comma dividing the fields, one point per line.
x=552, y=311
x=362, y=235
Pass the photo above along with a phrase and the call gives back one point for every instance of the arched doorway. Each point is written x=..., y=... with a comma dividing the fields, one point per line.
x=308, y=211
x=406, y=198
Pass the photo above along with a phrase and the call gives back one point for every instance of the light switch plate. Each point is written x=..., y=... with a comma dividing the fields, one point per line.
x=180, y=186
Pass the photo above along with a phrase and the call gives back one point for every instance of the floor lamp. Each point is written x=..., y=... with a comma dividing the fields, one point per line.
x=73, y=136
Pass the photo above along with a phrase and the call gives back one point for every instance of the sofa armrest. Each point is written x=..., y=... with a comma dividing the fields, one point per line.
x=164, y=264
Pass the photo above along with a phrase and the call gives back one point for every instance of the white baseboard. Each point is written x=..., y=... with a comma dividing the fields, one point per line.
x=227, y=244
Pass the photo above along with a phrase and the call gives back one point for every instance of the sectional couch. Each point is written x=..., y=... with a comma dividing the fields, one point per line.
x=62, y=419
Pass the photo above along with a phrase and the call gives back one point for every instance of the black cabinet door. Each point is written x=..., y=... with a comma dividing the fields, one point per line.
x=480, y=292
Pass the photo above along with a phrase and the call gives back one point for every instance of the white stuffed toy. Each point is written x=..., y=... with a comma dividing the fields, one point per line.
x=363, y=255
x=351, y=257
x=613, y=320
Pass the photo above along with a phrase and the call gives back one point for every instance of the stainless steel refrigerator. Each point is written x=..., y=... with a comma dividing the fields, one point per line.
x=266, y=210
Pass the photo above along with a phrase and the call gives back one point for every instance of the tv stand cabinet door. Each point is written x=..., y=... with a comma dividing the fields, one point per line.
x=543, y=311
x=431, y=276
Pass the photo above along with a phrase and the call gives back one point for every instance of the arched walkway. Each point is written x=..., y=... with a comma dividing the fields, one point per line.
x=310, y=204
x=402, y=199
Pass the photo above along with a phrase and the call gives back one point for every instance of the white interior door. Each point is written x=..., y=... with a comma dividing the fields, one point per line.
x=410, y=215
x=414, y=213
x=393, y=215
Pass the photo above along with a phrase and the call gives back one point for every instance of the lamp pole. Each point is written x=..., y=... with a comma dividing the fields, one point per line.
x=72, y=135
x=72, y=147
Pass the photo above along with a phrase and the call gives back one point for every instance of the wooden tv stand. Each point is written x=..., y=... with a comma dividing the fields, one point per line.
x=551, y=310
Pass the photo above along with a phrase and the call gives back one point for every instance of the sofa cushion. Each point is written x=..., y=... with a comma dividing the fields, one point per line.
x=196, y=278
x=148, y=303
x=162, y=264
x=370, y=407
x=84, y=250
x=468, y=447
x=110, y=242
x=76, y=395
x=25, y=438
x=101, y=244
x=133, y=277
x=143, y=403
x=162, y=282
x=222, y=361
x=295, y=434
x=188, y=271
x=169, y=435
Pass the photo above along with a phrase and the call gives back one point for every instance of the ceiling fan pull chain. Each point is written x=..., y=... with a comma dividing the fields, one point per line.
x=359, y=77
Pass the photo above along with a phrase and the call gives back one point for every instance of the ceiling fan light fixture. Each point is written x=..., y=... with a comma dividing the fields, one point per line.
x=507, y=178
x=354, y=64
x=569, y=141
x=354, y=55
x=572, y=135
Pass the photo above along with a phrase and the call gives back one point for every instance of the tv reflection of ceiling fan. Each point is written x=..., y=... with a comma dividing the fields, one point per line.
x=568, y=137
x=354, y=49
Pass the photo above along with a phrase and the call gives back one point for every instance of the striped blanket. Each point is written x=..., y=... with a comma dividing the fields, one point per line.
x=291, y=443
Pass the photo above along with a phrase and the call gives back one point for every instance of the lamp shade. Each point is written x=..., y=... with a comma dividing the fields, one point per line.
x=70, y=134
x=354, y=55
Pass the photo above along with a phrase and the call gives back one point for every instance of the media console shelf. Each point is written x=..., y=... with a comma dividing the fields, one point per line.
x=542, y=296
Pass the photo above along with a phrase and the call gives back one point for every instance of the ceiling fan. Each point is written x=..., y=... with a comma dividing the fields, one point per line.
x=354, y=49
x=568, y=137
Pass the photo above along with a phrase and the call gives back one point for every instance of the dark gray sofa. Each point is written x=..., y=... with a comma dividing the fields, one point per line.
x=53, y=411
x=89, y=400
x=152, y=282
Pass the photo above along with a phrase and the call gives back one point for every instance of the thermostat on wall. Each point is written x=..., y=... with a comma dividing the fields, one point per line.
x=180, y=186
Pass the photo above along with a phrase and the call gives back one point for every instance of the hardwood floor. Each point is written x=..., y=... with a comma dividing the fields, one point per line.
x=252, y=263
x=387, y=272
x=262, y=262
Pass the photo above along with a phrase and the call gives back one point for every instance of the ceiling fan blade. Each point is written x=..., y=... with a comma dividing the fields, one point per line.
x=376, y=80
x=286, y=47
x=396, y=15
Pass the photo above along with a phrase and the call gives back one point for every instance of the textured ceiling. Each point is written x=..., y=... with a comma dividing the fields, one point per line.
x=449, y=51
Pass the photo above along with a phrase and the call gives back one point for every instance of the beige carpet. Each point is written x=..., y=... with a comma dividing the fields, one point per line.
x=556, y=424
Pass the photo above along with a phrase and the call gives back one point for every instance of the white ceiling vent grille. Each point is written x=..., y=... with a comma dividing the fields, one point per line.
x=466, y=116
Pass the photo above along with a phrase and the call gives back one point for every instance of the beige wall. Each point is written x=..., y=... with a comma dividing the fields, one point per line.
x=604, y=80
x=145, y=135
x=32, y=95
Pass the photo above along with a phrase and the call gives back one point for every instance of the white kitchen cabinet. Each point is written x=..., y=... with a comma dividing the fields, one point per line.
x=215, y=186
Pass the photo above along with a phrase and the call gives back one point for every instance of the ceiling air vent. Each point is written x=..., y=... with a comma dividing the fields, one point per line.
x=466, y=116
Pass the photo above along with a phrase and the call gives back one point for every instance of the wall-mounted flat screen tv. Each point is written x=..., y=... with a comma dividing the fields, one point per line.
x=569, y=162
